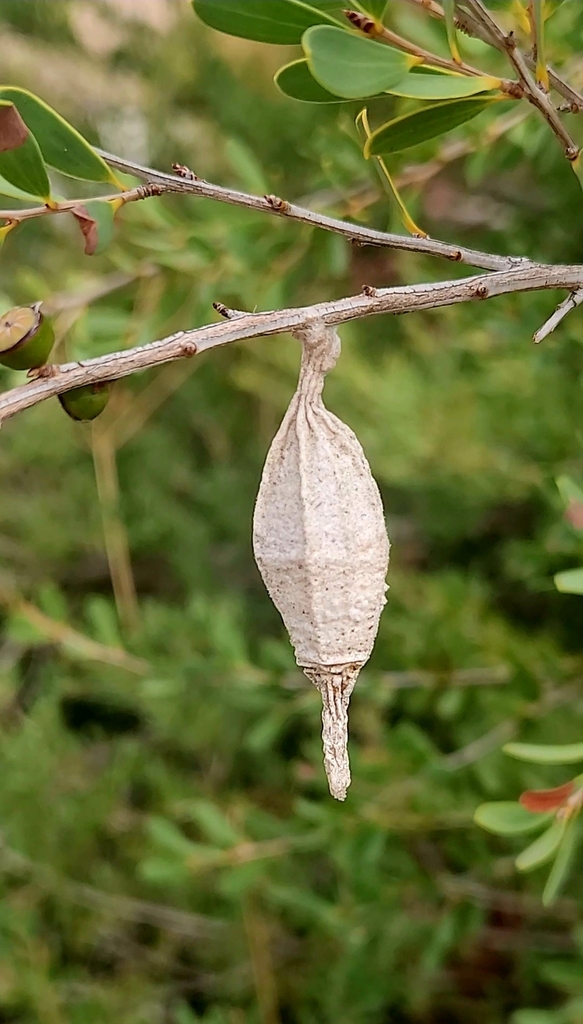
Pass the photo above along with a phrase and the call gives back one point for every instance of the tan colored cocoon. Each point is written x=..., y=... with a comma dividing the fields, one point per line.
x=321, y=545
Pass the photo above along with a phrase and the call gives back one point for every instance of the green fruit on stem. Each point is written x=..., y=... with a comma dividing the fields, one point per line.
x=26, y=338
x=87, y=402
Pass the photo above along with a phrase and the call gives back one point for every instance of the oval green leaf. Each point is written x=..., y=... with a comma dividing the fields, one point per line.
x=569, y=490
x=449, y=13
x=24, y=166
x=427, y=123
x=508, y=818
x=443, y=87
x=6, y=189
x=165, y=834
x=563, y=862
x=570, y=581
x=568, y=753
x=267, y=21
x=353, y=66
x=294, y=80
x=543, y=849
x=61, y=145
x=376, y=8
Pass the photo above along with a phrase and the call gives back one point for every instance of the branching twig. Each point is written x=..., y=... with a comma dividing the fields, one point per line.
x=370, y=27
x=125, y=908
x=534, y=94
x=563, y=309
x=468, y=24
x=355, y=232
x=55, y=380
x=132, y=195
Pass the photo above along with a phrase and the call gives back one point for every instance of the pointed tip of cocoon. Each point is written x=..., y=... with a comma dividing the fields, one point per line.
x=336, y=684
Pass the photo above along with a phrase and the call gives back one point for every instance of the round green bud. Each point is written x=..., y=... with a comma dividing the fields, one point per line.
x=87, y=402
x=26, y=338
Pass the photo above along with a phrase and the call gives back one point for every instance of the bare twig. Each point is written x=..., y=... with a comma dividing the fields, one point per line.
x=259, y=942
x=126, y=908
x=534, y=94
x=132, y=195
x=114, y=531
x=70, y=639
x=55, y=380
x=355, y=232
x=74, y=300
x=563, y=309
x=477, y=749
x=370, y=27
x=521, y=904
x=497, y=675
x=468, y=24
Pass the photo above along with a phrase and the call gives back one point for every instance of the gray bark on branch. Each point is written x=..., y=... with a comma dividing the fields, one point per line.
x=55, y=380
x=281, y=207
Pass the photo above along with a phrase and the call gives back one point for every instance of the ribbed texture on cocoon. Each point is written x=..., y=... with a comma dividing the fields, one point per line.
x=321, y=545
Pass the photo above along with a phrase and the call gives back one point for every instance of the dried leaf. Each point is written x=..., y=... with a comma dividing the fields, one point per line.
x=89, y=229
x=538, y=800
x=13, y=131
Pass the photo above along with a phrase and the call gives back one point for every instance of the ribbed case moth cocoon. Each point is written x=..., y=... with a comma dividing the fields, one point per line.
x=321, y=545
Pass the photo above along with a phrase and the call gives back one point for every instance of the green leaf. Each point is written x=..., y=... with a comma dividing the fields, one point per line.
x=411, y=129
x=23, y=165
x=295, y=80
x=536, y=1017
x=267, y=21
x=563, y=862
x=509, y=818
x=570, y=581
x=6, y=189
x=352, y=66
x=543, y=849
x=443, y=87
x=166, y=835
x=539, y=31
x=60, y=144
x=215, y=825
x=376, y=8
x=387, y=180
x=569, y=490
x=551, y=6
x=449, y=12
x=568, y=753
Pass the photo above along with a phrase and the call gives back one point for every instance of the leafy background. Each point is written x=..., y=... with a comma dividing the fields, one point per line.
x=169, y=849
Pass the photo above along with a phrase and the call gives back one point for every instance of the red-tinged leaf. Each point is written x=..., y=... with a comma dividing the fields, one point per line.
x=21, y=161
x=95, y=218
x=574, y=514
x=13, y=131
x=88, y=226
x=541, y=800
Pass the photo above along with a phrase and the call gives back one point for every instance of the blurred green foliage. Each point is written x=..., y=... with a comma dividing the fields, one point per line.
x=170, y=852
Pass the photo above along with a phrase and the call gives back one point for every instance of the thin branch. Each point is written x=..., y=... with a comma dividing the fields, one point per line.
x=370, y=27
x=71, y=640
x=54, y=380
x=132, y=195
x=497, y=675
x=280, y=207
x=512, y=88
x=478, y=749
x=537, y=96
x=125, y=908
x=563, y=309
x=534, y=94
x=468, y=24
x=114, y=532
